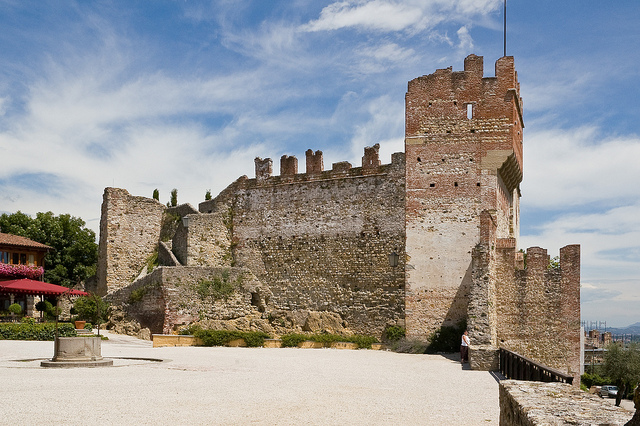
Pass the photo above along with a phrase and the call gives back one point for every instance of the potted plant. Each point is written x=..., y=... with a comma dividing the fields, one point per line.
x=15, y=309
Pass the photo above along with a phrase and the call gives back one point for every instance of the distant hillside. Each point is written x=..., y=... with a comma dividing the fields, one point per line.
x=631, y=329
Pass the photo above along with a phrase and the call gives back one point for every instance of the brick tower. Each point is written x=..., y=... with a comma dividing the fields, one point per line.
x=463, y=145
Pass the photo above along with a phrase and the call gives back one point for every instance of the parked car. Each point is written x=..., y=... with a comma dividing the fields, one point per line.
x=608, y=391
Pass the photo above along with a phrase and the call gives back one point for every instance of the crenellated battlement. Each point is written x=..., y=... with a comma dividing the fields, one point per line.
x=371, y=165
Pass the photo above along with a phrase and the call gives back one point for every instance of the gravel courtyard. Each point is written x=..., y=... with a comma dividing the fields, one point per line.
x=198, y=385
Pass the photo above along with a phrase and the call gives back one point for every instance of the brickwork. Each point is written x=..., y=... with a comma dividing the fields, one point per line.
x=315, y=164
x=288, y=165
x=371, y=160
x=459, y=138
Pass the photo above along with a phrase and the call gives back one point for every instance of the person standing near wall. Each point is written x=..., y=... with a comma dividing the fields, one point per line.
x=464, y=347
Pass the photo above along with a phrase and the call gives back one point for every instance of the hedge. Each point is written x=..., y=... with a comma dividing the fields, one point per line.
x=25, y=331
x=222, y=337
x=293, y=339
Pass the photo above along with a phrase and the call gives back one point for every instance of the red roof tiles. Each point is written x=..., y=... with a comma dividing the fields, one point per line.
x=15, y=240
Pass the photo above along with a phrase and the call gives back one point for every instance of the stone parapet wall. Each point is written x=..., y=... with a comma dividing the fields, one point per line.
x=542, y=404
x=538, y=308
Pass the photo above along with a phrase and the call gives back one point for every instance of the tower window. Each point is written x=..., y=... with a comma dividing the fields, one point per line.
x=432, y=185
x=455, y=183
x=469, y=111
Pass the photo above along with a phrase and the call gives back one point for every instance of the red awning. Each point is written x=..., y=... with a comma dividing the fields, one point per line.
x=27, y=286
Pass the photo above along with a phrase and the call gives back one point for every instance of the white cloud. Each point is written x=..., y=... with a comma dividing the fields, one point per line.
x=395, y=15
x=374, y=15
x=466, y=42
x=578, y=166
x=379, y=58
x=386, y=118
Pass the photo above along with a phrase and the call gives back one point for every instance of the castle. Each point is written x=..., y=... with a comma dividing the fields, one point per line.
x=424, y=242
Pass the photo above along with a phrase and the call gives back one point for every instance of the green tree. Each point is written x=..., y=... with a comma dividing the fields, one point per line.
x=622, y=365
x=207, y=195
x=156, y=194
x=75, y=253
x=174, y=197
x=91, y=308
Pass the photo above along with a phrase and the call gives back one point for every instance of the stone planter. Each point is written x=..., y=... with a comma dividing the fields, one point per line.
x=344, y=345
x=162, y=340
x=309, y=344
x=272, y=343
x=84, y=351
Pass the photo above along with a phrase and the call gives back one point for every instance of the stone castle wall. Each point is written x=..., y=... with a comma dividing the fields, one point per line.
x=321, y=241
x=173, y=296
x=317, y=244
x=129, y=232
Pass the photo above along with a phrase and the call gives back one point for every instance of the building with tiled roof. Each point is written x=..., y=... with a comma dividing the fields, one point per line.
x=21, y=257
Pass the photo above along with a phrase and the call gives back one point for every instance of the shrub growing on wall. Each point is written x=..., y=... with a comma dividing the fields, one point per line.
x=394, y=333
x=446, y=338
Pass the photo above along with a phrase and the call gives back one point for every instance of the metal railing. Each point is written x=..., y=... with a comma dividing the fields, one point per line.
x=518, y=367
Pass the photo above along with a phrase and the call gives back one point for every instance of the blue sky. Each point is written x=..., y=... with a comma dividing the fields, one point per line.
x=184, y=94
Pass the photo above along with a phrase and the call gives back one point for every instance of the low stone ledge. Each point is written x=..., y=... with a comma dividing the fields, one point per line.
x=272, y=343
x=484, y=358
x=237, y=343
x=344, y=345
x=163, y=340
x=525, y=403
x=309, y=344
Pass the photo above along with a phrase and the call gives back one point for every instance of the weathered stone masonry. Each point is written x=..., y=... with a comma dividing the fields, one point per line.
x=316, y=244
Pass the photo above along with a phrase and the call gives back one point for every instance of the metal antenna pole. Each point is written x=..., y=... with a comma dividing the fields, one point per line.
x=505, y=27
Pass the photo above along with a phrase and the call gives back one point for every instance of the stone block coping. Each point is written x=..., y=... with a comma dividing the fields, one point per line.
x=163, y=340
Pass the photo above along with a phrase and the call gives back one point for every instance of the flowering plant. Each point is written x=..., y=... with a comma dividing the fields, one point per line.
x=19, y=271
